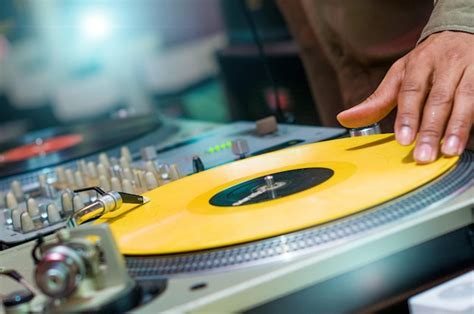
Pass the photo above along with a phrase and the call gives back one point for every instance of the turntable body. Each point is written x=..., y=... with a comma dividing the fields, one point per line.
x=333, y=226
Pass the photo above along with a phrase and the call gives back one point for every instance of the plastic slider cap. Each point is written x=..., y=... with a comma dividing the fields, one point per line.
x=266, y=126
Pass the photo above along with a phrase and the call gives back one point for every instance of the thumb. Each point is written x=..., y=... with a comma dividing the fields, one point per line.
x=378, y=105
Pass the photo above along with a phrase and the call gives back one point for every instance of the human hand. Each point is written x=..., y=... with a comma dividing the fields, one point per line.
x=433, y=86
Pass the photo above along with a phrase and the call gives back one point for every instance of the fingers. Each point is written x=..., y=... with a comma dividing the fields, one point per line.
x=436, y=113
x=411, y=99
x=379, y=104
x=462, y=116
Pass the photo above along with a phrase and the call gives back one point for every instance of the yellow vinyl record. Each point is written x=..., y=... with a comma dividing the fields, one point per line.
x=270, y=195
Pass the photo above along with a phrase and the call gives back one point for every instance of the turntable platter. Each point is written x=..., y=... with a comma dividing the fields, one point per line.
x=184, y=217
x=54, y=146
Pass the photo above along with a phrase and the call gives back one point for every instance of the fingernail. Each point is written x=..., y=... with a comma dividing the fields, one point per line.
x=451, y=146
x=424, y=153
x=405, y=136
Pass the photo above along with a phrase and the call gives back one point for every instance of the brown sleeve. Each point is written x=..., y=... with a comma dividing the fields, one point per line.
x=454, y=15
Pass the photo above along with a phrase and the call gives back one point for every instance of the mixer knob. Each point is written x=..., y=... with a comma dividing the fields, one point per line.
x=11, y=201
x=115, y=184
x=92, y=169
x=150, y=181
x=125, y=152
x=124, y=162
x=366, y=130
x=45, y=188
x=104, y=160
x=70, y=178
x=27, y=224
x=17, y=190
x=174, y=172
x=198, y=166
x=16, y=219
x=77, y=202
x=53, y=213
x=150, y=167
x=66, y=202
x=148, y=153
x=60, y=175
x=127, y=174
x=104, y=183
x=266, y=126
x=32, y=207
x=79, y=179
x=240, y=147
x=127, y=186
x=102, y=170
x=82, y=166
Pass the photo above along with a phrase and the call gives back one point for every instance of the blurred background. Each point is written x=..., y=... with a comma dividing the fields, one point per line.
x=70, y=61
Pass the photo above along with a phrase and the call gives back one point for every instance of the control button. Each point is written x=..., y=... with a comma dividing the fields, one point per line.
x=77, y=202
x=79, y=179
x=148, y=153
x=266, y=126
x=127, y=174
x=366, y=130
x=17, y=190
x=240, y=147
x=127, y=187
x=16, y=219
x=125, y=152
x=104, y=160
x=198, y=166
x=92, y=169
x=115, y=184
x=104, y=183
x=53, y=213
x=82, y=166
x=11, y=201
x=32, y=207
x=150, y=180
x=150, y=167
x=124, y=162
x=66, y=202
x=102, y=170
x=27, y=224
x=60, y=175
x=70, y=178
x=174, y=172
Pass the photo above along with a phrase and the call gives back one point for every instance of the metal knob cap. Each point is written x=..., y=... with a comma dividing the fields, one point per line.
x=366, y=130
x=240, y=147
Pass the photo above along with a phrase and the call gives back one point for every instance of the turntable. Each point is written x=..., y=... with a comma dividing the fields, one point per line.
x=333, y=226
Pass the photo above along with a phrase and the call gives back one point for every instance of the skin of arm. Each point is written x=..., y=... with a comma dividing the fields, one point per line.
x=433, y=89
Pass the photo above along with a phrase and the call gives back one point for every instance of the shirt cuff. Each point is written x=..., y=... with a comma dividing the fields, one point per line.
x=450, y=15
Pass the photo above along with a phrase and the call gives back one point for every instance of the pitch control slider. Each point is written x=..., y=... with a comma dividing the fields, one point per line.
x=107, y=202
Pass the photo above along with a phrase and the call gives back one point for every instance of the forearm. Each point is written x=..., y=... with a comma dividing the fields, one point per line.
x=453, y=15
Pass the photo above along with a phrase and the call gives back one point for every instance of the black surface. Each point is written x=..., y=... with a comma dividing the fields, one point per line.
x=293, y=181
x=400, y=274
x=97, y=137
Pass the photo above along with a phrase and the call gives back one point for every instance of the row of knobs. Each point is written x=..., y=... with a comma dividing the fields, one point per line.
x=23, y=212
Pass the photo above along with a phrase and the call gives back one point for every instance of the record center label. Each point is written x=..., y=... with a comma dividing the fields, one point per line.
x=282, y=184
